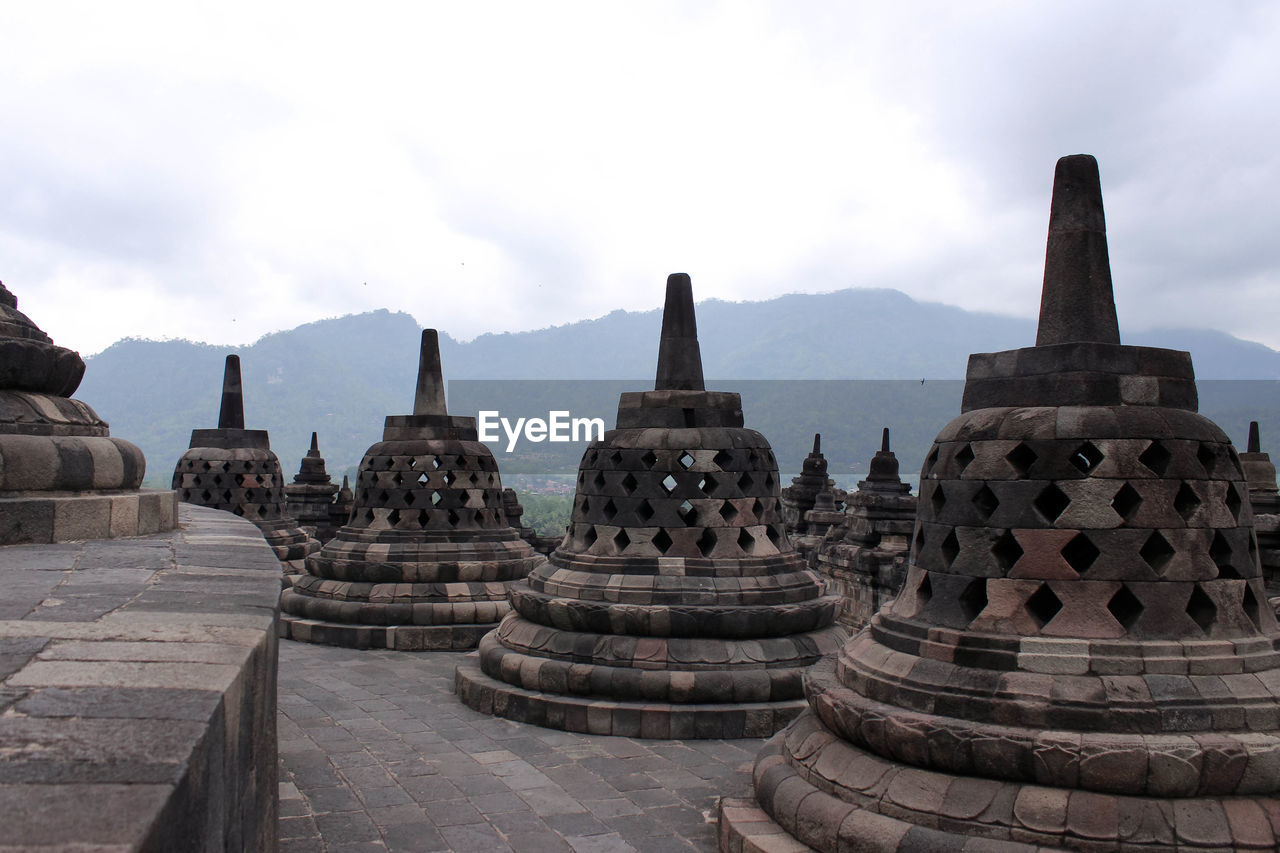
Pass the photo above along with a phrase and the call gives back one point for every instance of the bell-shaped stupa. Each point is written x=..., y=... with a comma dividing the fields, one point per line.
x=343, y=503
x=1082, y=656
x=864, y=557
x=1264, y=499
x=427, y=556
x=233, y=469
x=675, y=606
x=311, y=494
x=62, y=476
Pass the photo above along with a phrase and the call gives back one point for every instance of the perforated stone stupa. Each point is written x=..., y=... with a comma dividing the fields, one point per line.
x=1082, y=656
x=1264, y=499
x=864, y=557
x=233, y=469
x=427, y=556
x=675, y=606
x=311, y=494
x=62, y=476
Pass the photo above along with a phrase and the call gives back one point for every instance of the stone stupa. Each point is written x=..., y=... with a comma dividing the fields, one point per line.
x=62, y=476
x=675, y=606
x=1264, y=499
x=343, y=503
x=801, y=496
x=311, y=494
x=1082, y=656
x=427, y=557
x=864, y=557
x=233, y=469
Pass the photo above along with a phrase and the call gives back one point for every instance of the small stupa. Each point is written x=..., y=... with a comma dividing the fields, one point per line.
x=427, y=557
x=1082, y=656
x=675, y=606
x=232, y=468
x=864, y=557
x=343, y=503
x=62, y=476
x=311, y=494
x=1264, y=499
x=801, y=496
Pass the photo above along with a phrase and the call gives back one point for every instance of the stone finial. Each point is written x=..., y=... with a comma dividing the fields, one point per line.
x=817, y=443
x=884, y=441
x=1255, y=444
x=315, y=446
x=429, y=397
x=679, y=359
x=1077, y=303
x=231, y=413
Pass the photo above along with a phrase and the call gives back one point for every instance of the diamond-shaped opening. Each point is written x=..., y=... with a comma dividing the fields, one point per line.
x=436, y=462
x=938, y=499
x=474, y=478
x=644, y=511
x=1051, y=502
x=368, y=515
x=964, y=457
x=1126, y=502
x=1201, y=609
x=950, y=547
x=757, y=509
x=226, y=467
x=973, y=599
x=616, y=458
x=774, y=532
x=409, y=498
x=932, y=458
x=685, y=460
x=589, y=538
x=668, y=484
x=707, y=542
x=384, y=498
x=648, y=459
x=393, y=517
x=1086, y=457
x=478, y=515
x=590, y=459
x=661, y=541
x=746, y=541
x=397, y=479
x=1186, y=502
x=423, y=478
x=1125, y=607
x=1021, y=458
x=238, y=510
x=924, y=592
x=450, y=477
x=707, y=484
x=686, y=512
x=1080, y=553
x=629, y=483
x=745, y=482
x=262, y=511
x=413, y=462
x=423, y=517
x=723, y=458
x=919, y=538
x=1043, y=605
x=621, y=540
x=768, y=482
x=598, y=480
x=610, y=510
x=217, y=479
x=453, y=518
x=437, y=498
x=1207, y=456
x=1220, y=553
x=1233, y=501
x=1250, y=606
x=207, y=495
x=1006, y=550
x=1156, y=551
x=1156, y=457
x=728, y=511
x=986, y=501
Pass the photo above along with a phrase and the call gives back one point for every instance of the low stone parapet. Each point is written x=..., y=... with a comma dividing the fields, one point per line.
x=138, y=690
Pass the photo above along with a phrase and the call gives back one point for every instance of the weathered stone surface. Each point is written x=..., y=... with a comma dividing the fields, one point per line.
x=148, y=721
x=1084, y=619
x=675, y=606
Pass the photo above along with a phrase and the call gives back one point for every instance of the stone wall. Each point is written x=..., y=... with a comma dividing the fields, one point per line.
x=138, y=690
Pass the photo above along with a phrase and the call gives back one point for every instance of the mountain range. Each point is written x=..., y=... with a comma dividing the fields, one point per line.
x=341, y=376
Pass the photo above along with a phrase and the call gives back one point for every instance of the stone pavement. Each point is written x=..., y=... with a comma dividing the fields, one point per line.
x=376, y=753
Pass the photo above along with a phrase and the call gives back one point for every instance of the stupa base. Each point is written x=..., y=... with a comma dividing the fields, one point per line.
x=830, y=795
x=42, y=518
x=403, y=638
x=599, y=716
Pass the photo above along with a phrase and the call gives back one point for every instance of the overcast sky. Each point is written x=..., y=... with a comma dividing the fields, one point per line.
x=222, y=172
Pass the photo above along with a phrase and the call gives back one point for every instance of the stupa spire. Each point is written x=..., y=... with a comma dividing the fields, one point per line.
x=231, y=413
x=817, y=442
x=1255, y=443
x=429, y=397
x=679, y=359
x=884, y=441
x=315, y=446
x=1077, y=303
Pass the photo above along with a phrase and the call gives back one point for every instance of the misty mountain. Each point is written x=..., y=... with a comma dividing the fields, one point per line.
x=341, y=376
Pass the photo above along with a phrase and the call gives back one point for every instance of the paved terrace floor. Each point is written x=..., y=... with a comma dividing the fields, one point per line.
x=376, y=753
